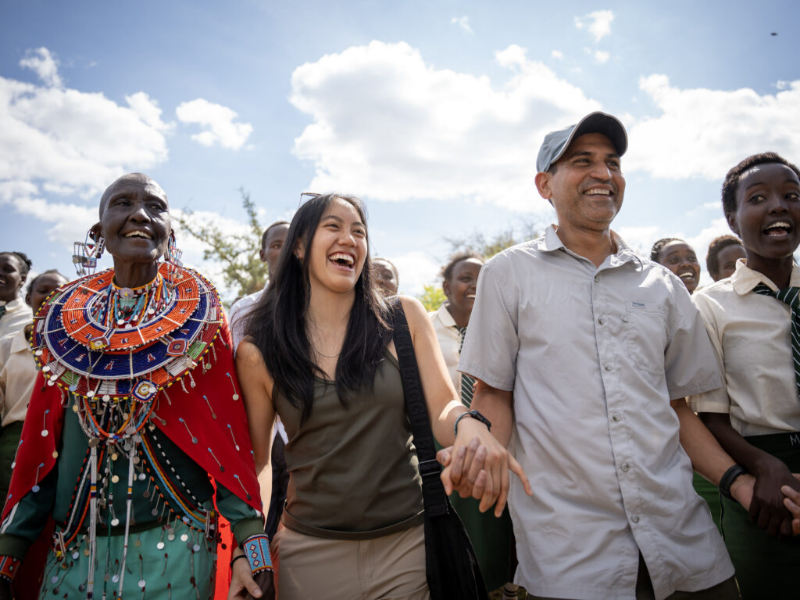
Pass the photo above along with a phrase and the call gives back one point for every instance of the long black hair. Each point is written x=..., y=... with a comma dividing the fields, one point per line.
x=277, y=323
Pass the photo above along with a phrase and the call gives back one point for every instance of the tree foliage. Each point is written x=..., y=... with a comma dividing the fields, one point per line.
x=432, y=298
x=237, y=254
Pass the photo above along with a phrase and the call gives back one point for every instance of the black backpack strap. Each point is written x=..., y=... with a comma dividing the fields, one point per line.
x=433, y=495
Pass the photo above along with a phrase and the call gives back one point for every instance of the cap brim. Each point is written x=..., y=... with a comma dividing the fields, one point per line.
x=598, y=122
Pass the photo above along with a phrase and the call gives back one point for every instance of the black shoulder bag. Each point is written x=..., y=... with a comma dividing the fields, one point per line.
x=451, y=565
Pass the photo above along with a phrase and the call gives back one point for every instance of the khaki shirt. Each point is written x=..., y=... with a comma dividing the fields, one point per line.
x=751, y=338
x=594, y=356
x=17, y=377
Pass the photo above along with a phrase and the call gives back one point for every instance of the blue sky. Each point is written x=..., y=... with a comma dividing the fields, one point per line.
x=431, y=111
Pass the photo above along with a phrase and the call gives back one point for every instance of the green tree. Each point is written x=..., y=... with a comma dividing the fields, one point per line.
x=432, y=298
x=242, y=268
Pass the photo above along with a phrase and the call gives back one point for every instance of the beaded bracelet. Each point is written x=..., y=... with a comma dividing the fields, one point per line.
x=256, y=547
x=8, y=567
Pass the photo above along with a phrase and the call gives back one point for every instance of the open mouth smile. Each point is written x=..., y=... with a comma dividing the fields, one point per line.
x=343, y=260
x=138, y=234
x=599, y=191
x=779, y=229
x=688, y=275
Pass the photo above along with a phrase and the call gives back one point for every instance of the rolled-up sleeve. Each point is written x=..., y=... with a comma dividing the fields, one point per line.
x=492, y=341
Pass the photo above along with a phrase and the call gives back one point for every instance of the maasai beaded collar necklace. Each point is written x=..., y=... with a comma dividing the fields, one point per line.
x=115, y=349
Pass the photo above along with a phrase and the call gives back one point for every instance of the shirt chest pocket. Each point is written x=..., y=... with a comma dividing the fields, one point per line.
x=645, y=333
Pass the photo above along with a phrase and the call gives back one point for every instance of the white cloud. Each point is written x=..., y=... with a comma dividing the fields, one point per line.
x=415, y=131
x=44, y=64
x=639, y=238
x=416, y=270
x=218, y=120
x=598, y=23
x=601, y=56
x=703, y=133
x=462, y=22
x=557, y=54
x=73, y=142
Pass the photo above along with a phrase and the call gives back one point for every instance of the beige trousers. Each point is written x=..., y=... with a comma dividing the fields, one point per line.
x=386, y=568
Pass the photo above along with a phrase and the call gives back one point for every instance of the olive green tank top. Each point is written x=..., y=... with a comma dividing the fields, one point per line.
x=353, y=471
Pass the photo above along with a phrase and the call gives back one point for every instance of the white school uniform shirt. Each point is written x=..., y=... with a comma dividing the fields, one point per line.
x=751, y=338
x=17, y=315
x=594, y=355
x=449, y=341
x=17, y=377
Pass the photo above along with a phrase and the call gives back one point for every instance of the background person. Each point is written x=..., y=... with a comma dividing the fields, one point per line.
x=756, y=415
x=14, y=313
x=491, y=537
x=319, y=352
x=387, y=277
x=271, y=243
x=723, y=252
x=680, y=258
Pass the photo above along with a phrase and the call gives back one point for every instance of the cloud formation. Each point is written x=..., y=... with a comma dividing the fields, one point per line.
x=44, y=64
x=72, y=142
x=463, y=22
x=598, y=23
x=218, y=121
x=415, y=131
x=703, y=133
x=601, y=56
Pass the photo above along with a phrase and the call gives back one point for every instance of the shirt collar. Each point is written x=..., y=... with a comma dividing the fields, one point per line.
x=15, y=303
x=445, y=317
x=550, y=242
x=744, y=279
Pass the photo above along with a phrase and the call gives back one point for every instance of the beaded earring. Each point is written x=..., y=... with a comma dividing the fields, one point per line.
x=86, y=254
x=173, y=258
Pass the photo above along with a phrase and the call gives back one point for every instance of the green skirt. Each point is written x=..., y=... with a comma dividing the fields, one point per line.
x=710, y=493
x=157, y=567
x=9, y=442
x=766, y=567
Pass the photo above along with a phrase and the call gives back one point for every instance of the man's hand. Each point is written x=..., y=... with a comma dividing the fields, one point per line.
x=244, y=586
x=480, y=470
x=767, y=508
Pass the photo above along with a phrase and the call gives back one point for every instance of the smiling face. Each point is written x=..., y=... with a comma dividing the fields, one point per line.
x=679, y=257
x=42, y=286
x=727, y=258
x=385, y=278
x=585, y=186
x=338, y=248
x=767, y=216
x=11, y=277
x=460, y=289
x=134, y=220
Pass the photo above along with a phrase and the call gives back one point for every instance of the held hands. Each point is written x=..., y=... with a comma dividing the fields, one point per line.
x=767, y=505
x=792, y=502
x=244, y=585
x=477, y=465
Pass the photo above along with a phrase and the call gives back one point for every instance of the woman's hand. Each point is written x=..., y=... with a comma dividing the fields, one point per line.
x=792, y=503
x=243, y=584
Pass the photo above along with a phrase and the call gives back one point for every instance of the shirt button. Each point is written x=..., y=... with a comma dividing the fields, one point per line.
x=616, y=416
x=596, y=278
x=635, y=518
x=601, y=320
x=625, y=319
x=625, y=467
x=607, y=366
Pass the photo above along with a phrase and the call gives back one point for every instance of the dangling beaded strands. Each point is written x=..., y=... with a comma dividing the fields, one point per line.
x=128, y=506
x=92, y=522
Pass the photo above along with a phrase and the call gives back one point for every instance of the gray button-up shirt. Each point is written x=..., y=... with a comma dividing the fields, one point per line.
x=594, y=356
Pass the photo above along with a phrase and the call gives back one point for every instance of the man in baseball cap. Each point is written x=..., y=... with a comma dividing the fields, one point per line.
x=592, y=350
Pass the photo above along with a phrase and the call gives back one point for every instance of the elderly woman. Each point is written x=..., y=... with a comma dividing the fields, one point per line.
x=120, y=461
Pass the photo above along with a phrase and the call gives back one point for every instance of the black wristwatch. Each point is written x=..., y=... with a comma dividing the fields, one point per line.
x=475, y=415
x=728, y=478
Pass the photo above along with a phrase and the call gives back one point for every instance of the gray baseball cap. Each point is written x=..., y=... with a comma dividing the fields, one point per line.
x=557, y=142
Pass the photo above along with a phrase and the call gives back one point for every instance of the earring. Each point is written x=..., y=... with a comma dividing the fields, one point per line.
x=86, y=254
x=173, y=259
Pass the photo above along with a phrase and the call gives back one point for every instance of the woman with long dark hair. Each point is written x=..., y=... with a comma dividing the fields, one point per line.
x=320, y=353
